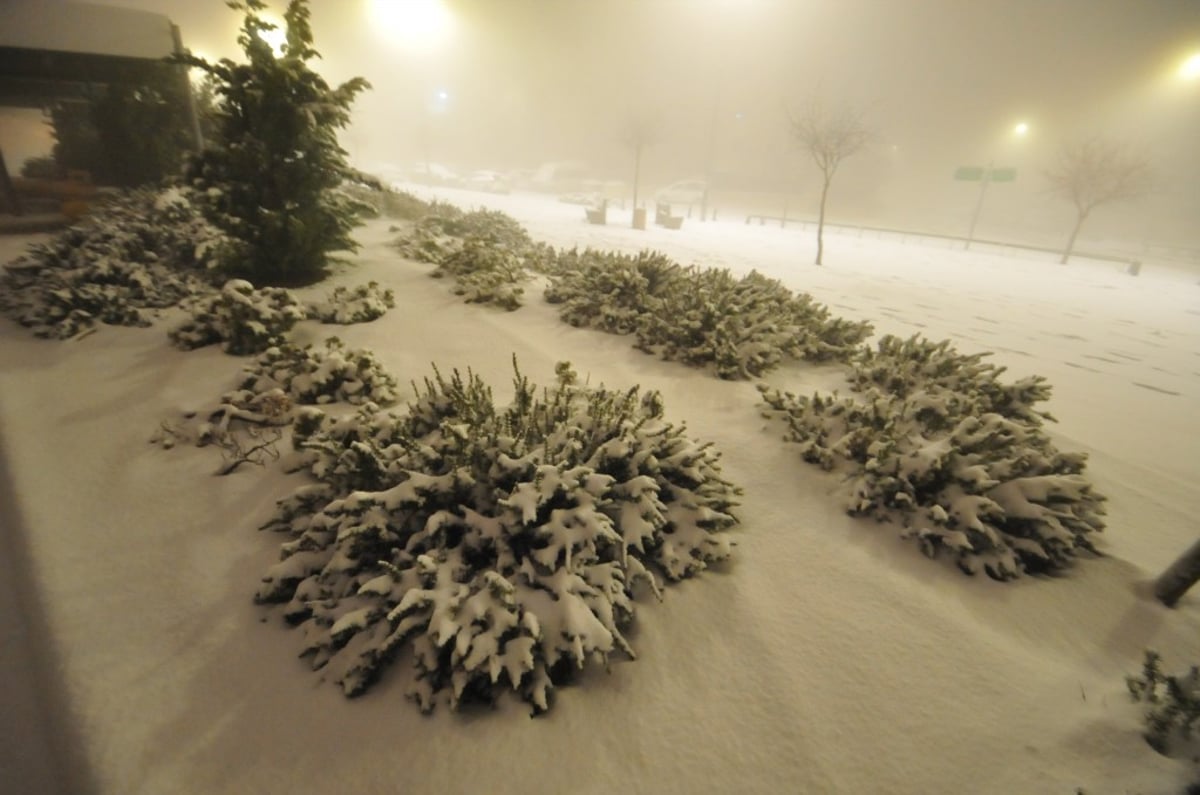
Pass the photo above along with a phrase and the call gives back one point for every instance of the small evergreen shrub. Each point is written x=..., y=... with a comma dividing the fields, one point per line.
x=956, y=458
x=346, y=305
x=1172, y=702
x=488, y=254
x=501, y=547
x=242, y=319
x=141, y=251
x=902, y=366
x=403, y=205
x=485, y=274
x=311, y=375
x=701, y=317
x=609, y=291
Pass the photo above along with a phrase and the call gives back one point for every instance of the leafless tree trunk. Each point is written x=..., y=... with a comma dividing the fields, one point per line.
x=1181, y=576
x=829, y=139
x=1095, y=172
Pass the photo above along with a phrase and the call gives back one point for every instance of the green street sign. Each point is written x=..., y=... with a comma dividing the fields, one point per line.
x=977, y=173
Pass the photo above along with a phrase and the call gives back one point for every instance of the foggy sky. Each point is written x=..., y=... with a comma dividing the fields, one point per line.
x=941, y=82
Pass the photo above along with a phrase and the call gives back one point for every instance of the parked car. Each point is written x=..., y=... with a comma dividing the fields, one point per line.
x=685, y=192
x=488, y=182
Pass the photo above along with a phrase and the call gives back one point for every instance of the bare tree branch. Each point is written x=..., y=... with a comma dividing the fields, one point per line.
x=829, y=138
x=1093, y=172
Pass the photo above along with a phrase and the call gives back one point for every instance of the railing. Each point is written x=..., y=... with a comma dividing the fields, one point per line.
x=1133, y=263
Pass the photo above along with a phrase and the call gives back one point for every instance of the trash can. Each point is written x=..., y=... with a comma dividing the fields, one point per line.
x=639, y=217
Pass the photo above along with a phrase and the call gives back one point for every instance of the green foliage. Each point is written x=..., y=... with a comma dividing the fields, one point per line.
x=134, y=131
x=933, y=441
x=139, y=252
x=487, y=253
x=701, y=317
x=241, y=319
x=1172, y=702
x=274, y=164
x=500, y=546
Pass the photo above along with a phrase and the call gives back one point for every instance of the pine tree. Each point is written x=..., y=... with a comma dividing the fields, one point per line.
x=271, y=172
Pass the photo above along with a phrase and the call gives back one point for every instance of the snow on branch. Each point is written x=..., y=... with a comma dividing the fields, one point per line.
x=934, y=442
x=502, y=547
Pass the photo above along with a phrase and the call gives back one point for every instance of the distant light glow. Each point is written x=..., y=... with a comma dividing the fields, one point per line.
x=413, y=25
x=277, y=36
x=1021, y=129
x=1190, y=68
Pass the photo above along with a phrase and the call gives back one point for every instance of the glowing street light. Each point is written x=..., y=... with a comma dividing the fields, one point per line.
x=986, y=176
x=413, y=25
x=1190, y=68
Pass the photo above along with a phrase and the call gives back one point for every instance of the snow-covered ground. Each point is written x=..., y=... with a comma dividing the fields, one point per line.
x=828, y=656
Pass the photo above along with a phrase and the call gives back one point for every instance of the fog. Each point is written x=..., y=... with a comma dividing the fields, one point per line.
x=508, y=84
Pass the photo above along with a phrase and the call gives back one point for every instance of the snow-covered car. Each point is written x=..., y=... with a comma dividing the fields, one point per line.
x=684, y=192
x=488, y=182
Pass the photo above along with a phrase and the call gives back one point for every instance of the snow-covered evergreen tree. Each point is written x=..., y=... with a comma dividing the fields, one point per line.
x=271, y=174
x=502, y=546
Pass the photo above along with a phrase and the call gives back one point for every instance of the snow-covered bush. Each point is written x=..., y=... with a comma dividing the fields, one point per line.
x=434, y=235
x=609, y=291
x=485, y=273
x=1172, y=703
x=244, y=320
x=346, y=305
x=901, y=366
x=333, y=374
x=139, y=252
x=968, y=474
x=489, y=255
x=501, y=546
x=701, y=317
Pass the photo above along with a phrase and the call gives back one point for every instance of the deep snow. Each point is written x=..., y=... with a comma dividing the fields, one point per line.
x=828, y=656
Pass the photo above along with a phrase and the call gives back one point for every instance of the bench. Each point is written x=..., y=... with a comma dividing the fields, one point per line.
x=599, y=214
x=663, y=216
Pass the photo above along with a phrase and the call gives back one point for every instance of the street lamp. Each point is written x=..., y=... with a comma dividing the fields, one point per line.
x=1190, y=68
x=986, y=176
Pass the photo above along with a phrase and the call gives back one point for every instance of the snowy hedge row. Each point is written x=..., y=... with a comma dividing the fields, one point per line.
x=934, y=442
x=502, y=547
x=487, y=253
x=701, y=317
x=139, y=252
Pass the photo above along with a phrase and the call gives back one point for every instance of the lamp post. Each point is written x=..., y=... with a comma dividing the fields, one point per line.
x=986, y=176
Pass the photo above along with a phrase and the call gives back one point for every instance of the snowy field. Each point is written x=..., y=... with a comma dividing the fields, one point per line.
x=828, y=657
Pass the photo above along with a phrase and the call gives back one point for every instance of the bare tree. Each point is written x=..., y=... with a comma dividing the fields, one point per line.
x=1095, y=172
x=829, y=138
